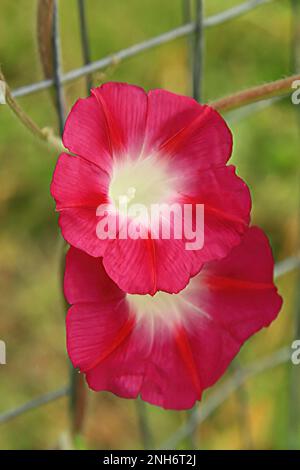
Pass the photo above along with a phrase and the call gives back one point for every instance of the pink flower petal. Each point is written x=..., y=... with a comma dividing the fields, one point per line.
x=227, y=205
x=78, y=183
x=147, y=266
x=152, y=368
x=168, y=348
x=78, y=228
x=85, y=133
x=78, y=188
x=86, y=280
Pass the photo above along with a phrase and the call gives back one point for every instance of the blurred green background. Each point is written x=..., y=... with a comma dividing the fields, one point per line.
x=250, y=50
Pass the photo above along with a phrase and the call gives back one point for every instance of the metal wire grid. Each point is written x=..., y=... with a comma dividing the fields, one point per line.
x=195, y=31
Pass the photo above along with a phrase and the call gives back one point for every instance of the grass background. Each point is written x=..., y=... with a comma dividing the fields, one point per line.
x=253, y=49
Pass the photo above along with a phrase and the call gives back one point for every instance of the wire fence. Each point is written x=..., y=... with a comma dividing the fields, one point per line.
x=131, y=51
x=194, y=31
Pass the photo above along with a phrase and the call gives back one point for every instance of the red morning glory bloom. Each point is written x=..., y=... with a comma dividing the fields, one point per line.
x=168, y=348
x=154, y=148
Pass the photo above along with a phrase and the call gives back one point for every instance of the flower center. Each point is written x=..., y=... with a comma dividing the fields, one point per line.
x=142, y=181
